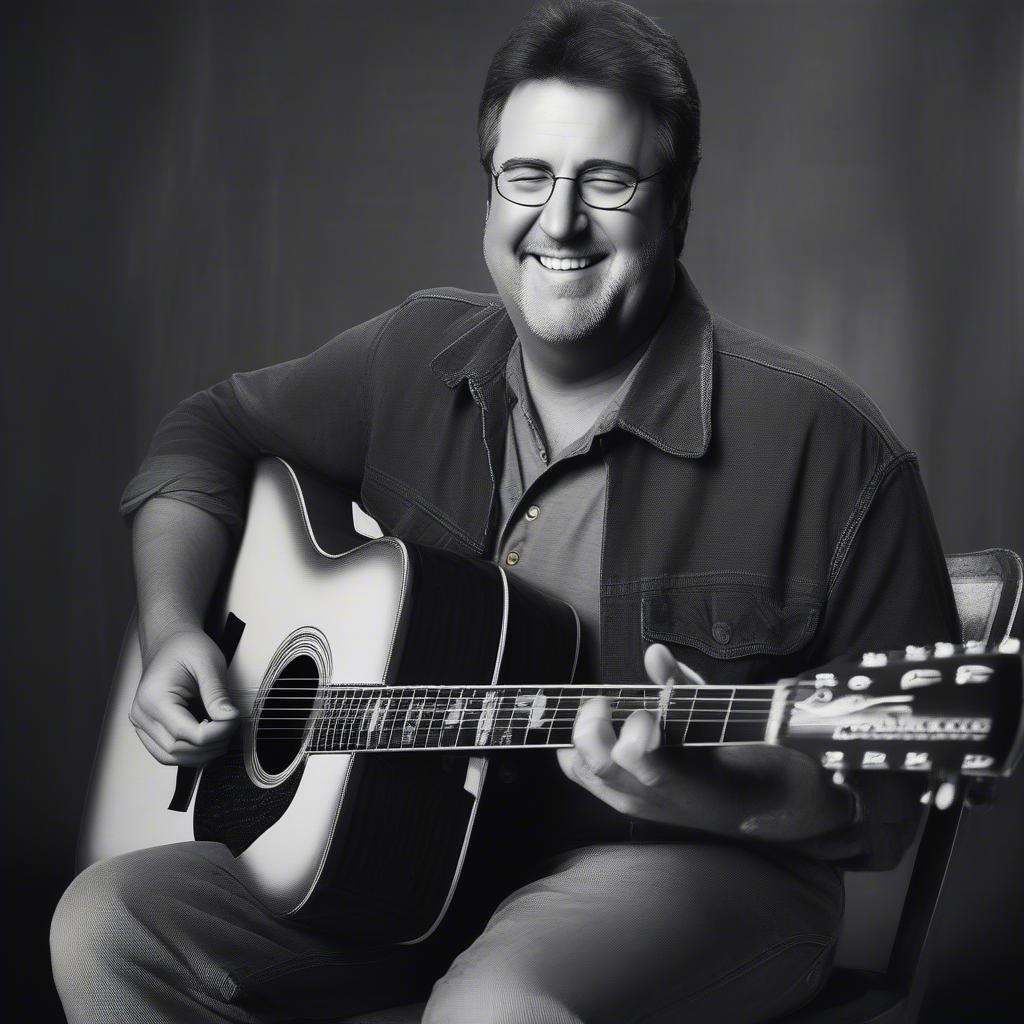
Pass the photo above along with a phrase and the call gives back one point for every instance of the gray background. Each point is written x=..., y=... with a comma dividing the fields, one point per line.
x=195, y=188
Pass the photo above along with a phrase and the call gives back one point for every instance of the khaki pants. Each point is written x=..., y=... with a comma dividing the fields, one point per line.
x=663, y=932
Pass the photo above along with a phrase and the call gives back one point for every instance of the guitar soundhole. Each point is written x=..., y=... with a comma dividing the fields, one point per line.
x=286, y=707
x=281, y=729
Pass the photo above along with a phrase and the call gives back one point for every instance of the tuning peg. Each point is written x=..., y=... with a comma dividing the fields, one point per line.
x=915, y=653
x=943, y=649
x=1009, y=645
x=944, y=795
x=941, y=795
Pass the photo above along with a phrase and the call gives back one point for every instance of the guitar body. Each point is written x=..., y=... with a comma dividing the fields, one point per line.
x=368, y=846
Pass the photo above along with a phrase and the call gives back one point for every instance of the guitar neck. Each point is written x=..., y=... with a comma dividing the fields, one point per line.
x=363, y=719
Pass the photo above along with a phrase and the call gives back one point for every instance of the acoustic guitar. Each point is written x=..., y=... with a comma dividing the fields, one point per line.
x=372, y=675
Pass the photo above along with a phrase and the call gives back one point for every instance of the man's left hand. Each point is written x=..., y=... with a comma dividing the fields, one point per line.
x=755, y=790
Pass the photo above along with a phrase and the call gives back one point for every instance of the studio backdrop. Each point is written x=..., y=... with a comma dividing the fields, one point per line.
x=194, y=188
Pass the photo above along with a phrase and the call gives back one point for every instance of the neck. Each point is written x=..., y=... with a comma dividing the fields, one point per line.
x=373, y=718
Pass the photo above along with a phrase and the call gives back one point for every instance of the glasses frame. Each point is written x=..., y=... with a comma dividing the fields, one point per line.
x=576, y=181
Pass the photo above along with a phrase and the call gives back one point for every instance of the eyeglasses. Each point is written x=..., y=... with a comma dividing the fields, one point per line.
x=603, y=188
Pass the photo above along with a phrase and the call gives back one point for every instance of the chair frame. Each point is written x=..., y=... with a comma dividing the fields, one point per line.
x=868, y=997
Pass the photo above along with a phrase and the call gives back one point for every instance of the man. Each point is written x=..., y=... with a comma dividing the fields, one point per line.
x=696, y=492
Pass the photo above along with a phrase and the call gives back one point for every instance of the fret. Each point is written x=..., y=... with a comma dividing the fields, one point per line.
x=448, y=732
x=389, y=719
x=451, y=724
x=748, y=719
x=504, y=718
x=343, y=708
x=420, y=728
x=521, y=704
x=372, y=717
x=472, y=708
x=538, y=713
x=563, y=716
x=430, y=730
x=316, y=733
x=410, y=721
x=485, y=726
x=680, y=716
x=707, y=710
x=337, y=714
x=728, y=710
x=332, y=732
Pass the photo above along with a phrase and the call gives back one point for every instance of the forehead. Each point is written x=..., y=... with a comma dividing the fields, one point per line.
x=564, y=124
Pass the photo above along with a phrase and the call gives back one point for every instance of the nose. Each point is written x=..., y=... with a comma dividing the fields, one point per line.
x=563, y=216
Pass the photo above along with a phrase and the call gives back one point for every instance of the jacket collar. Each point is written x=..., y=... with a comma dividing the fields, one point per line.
x=669, y=402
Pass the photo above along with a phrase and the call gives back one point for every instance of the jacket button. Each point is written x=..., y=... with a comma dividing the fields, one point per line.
x=532, y=512
x=721, y=632
x=512, y=558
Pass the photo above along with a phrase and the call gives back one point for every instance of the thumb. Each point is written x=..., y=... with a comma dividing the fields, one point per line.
x=663, y=669
x=218, y=704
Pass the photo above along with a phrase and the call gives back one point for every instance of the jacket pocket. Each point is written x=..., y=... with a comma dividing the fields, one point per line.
x=731, y=617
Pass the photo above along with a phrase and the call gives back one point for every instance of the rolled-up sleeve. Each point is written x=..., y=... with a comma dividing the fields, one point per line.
x=312, y=411
x=891, y=587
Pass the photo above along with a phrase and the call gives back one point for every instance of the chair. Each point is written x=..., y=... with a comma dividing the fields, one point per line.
x=881, y=979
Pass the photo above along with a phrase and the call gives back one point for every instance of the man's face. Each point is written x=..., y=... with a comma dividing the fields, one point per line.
x=629, y=253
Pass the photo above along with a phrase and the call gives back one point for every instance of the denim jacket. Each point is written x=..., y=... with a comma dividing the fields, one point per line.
x=762, y=518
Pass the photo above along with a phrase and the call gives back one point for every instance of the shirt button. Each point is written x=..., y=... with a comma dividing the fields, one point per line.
x=512, y=558
x=532, y=512
x=721, y=632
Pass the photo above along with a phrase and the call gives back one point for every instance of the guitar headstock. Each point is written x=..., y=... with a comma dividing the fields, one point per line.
x=945, y=708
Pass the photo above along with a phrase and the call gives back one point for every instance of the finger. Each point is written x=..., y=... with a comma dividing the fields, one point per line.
x=632, y=751
x=663, y=669
x=576, y=769
x=153, y=728
x=593, y=736
x=172, y=726
x=153, y=747
x=180, y=723
x=182, y=758
x=209, y=677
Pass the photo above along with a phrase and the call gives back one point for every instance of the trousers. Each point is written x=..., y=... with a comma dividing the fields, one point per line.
x=616, y=933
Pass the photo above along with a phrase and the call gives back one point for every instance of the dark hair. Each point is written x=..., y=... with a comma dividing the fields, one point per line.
x=610, y=44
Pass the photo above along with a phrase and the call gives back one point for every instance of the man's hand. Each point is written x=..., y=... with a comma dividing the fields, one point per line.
x=185, y=666
x=752, y=790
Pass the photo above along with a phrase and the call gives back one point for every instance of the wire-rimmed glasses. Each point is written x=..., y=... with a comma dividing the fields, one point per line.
x=602, y=187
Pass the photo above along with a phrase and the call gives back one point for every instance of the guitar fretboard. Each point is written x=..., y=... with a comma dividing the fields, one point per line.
x=353, y=719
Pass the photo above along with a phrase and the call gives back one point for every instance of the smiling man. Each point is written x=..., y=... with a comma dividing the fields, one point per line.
x=707, y=500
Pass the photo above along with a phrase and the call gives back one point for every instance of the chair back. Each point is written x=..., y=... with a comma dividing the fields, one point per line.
x=888, y=913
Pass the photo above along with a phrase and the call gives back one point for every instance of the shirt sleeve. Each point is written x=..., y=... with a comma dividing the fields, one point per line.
x=311, y=411
x=891, y=588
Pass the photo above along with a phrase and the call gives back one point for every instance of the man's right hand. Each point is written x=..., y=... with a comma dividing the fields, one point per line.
x=186, y=665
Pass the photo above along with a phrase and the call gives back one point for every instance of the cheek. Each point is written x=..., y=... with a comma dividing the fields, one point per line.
x=504, y=232
x=631, y=235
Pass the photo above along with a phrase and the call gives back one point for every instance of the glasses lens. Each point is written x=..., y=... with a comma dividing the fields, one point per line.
x=607, y=189
x=529, y=186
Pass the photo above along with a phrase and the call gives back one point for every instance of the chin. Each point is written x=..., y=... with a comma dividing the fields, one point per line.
x=566, y=327
x=569, y=319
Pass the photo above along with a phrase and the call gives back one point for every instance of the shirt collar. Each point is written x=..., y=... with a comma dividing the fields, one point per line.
x=669, y=401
